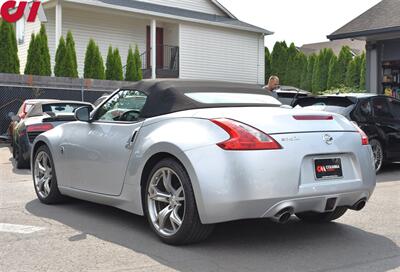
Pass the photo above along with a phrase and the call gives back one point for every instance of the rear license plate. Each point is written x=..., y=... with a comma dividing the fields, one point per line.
x=328, y=168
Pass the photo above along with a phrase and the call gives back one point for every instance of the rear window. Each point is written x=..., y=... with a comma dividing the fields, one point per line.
x=61, y=108
x=233, y=98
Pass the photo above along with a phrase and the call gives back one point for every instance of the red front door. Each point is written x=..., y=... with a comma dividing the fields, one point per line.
x=159, y=49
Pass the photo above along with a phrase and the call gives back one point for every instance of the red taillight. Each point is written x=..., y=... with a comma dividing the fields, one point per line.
x=39, y=128
x=364, y=137
x=244, y=137
x=312, y=117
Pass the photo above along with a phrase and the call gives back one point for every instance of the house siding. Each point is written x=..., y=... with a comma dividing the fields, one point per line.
x=221, y=54
x=205, y=6
x=23, y=47
x=105, y=29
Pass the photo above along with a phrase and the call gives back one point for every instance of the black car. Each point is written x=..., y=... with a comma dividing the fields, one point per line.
x=41, y=117
x=377, y=115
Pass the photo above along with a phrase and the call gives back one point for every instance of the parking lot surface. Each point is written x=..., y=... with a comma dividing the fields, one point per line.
x=82, y=236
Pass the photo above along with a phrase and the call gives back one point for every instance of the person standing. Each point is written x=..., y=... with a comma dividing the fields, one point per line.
x=272, y=86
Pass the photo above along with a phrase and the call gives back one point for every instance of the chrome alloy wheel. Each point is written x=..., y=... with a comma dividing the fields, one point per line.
x=166, y=201
x=43, y=174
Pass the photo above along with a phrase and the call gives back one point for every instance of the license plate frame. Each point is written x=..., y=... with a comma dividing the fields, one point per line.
x=328, y=168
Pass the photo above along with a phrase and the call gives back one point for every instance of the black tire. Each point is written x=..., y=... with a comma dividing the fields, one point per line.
x=21, y=163
x=54, y=196
x=315, y=217
x=191, y=229
x=377, y=148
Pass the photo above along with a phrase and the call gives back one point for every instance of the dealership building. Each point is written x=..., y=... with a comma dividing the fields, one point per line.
x=380, y=28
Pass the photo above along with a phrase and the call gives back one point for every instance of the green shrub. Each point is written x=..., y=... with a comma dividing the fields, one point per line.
x=94, y=65
x=9, y=61
x=60, y=58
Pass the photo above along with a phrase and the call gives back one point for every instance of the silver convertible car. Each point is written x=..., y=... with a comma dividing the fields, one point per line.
x=190, y=154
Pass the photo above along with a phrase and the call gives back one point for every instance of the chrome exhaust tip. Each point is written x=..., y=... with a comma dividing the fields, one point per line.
x=359, y=205
x=283, y=216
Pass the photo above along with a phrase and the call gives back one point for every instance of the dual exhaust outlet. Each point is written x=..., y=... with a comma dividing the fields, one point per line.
x=283, y=216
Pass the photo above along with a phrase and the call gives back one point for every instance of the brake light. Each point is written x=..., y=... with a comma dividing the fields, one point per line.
x=39, y=128
x=244, y=137
x=312, y=117
x=364, y=137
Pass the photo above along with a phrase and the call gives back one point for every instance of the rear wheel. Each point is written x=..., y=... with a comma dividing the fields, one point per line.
x=44, y=177
x=322, y=217
x=378, y=152
x=170, y=206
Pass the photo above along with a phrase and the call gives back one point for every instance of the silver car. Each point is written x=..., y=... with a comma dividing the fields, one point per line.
x=190, y=154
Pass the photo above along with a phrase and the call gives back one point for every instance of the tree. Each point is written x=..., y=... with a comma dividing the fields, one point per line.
x=303, y=77
x=118, y=73
x=321, y=70
x=44, y=52
x=334, y=76
x=279, y=58
x=71, y=54
x=290, y=70
x=9, y=61
x=307, y=83
x=345, y=56
x=114, y=65
x=110, y=64
x=353, y=73
x=301, y=64
x=291, y=65
x=363, y=72
x=59, y=67
x=138, y=64
x=94, y=65
x=31, y=59
x=130, y=71
x=267, y=64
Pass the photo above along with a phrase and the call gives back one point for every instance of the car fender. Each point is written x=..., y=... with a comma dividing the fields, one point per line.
x=173, y=137
x=50, y=138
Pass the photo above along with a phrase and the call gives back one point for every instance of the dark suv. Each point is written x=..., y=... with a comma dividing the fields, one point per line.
x=377, y=115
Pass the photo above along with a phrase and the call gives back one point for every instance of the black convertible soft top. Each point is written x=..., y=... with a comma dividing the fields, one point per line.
x=168, y=96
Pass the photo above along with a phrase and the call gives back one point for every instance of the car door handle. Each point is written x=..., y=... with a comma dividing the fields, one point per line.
x=131, y=141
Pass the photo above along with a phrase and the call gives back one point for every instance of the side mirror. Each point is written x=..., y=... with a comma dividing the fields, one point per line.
x=83, y=114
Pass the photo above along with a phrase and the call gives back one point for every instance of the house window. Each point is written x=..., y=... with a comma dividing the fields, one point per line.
x=20, y=30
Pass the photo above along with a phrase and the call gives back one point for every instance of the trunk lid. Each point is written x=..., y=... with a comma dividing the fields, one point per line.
x=272, y=120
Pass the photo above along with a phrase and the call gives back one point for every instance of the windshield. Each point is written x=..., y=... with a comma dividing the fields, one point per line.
x=124, y=106
x=233, y=98
x=61, y=108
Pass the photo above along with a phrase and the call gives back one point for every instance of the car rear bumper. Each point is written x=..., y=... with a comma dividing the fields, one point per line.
x=254, y=184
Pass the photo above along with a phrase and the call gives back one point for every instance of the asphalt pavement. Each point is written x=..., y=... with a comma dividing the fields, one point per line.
x=82, y=236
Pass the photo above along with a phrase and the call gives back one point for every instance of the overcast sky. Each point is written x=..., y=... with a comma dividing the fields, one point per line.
x=298, y=21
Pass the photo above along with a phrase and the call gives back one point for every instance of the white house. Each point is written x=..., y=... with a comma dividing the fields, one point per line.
x=194, y=39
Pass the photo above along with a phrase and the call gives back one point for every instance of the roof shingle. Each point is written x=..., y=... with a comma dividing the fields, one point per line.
x=381, y=18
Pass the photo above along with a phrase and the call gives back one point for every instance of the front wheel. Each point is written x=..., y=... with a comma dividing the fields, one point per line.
x=315, y=217
x=44, y=177
x=170, y=206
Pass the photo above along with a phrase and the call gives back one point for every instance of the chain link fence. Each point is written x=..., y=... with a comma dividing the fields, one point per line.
x=12, y=97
